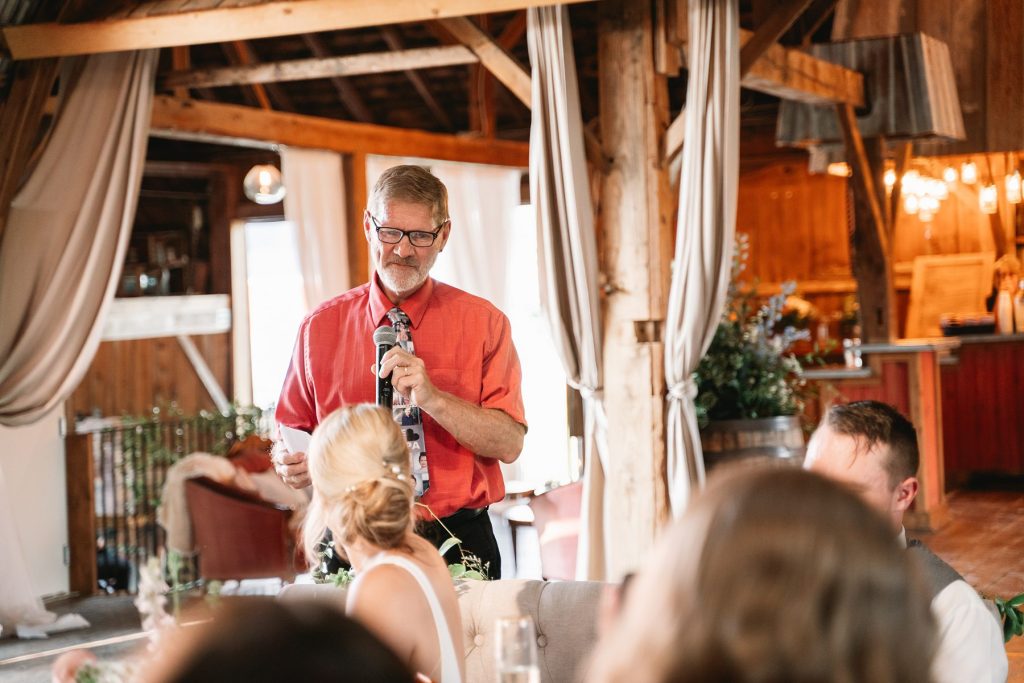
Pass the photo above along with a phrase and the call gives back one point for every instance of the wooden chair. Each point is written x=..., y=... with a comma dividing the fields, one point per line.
x=238, y=535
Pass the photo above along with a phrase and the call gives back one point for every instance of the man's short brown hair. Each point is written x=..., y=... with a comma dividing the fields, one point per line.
x=412, y=184
x=873, y=423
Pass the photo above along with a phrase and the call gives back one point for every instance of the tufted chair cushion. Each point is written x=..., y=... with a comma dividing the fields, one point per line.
x=565, y=613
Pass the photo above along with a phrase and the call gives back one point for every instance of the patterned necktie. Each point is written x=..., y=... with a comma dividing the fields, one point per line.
x=407, y=413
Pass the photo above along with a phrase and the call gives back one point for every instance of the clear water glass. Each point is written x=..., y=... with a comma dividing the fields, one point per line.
x=516, y=650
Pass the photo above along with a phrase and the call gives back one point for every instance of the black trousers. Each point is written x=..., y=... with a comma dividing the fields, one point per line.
x=472, y=527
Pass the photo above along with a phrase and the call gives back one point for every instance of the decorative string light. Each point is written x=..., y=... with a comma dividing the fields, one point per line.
x=988, y=199
x=1012, y=183
x=969, y=173
x=949, y=175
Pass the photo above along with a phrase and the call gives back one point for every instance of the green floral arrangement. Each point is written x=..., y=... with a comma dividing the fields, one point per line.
x=748, y=371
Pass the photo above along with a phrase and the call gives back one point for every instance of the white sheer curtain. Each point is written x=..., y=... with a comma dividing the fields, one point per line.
x=60, y=257
x=315, y=204
x=567, y=254
x=67, y=232
x=707, y=224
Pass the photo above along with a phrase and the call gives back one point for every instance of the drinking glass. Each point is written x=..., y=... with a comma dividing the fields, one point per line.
x=516, y=650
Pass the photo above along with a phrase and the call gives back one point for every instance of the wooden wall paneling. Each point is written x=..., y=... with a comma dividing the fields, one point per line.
x=79, y=472
x=1004, y=58
x=356, y=195
x=131, y=377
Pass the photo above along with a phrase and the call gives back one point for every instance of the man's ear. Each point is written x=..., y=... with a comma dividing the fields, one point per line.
x=906, y=491
x=366, y=225
x=446, y=230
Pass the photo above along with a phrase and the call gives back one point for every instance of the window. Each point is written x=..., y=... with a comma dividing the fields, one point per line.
x=276, y=304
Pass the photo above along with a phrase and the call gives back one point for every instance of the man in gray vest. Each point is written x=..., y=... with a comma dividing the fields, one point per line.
x=873, y=448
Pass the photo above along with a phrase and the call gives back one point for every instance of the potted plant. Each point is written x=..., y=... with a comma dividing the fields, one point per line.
x=750, y=386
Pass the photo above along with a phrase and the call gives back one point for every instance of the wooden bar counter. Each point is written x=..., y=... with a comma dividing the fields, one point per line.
x=983, y=407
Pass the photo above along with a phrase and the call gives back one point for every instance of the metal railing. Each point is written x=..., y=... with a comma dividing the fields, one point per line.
x=116, y=476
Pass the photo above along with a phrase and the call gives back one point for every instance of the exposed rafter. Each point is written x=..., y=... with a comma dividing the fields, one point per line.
x=308, y=69
x=245, y=22
x=191, y=119
x=347, y=92
x=792, y=75
x=492, y=56
x=394, y=41
x=769, y=32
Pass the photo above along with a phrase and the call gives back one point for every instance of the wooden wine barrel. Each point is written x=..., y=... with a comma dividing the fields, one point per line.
x=773, y=437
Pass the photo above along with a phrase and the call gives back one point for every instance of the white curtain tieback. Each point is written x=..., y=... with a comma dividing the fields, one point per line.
x=588, y=392
x=685, y=389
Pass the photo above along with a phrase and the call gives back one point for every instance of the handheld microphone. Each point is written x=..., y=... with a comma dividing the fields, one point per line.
x=384, y=337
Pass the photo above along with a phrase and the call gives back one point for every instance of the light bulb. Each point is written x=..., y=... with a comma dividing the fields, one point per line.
x=889, y=178
x=949, y=175
x=1012, y=183
x=988, y=199
x=969, y=172
x=911, y=203
x=263, y=184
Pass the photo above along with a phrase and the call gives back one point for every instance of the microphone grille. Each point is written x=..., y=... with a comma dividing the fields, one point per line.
x=385, y=335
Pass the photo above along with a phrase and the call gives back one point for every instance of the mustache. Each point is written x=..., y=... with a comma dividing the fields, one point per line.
x=410, y=261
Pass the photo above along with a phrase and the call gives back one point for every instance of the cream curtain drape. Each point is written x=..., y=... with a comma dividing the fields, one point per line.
x=315, y=204
x=67, y=232
x=567, y=254
x=707, y=224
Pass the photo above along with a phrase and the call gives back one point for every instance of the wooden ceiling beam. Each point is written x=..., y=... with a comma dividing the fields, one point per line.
x=492, y=56
x=248, y=58
x=197, y=120
x=326, y=67
x=237, y=54
x=347, y=92
x=769, y=32
x=238, y=22
x=394, y=41
x=789, y=74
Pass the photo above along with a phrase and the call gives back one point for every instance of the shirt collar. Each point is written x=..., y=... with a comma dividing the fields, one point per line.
x=414, y=307
x=902, y=538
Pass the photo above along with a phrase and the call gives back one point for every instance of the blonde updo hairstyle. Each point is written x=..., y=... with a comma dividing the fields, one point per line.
x=359, y=467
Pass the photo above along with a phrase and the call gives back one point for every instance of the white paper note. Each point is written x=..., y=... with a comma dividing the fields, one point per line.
x=296, y=440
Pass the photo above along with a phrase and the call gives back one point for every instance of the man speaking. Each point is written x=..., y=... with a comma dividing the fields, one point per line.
x=454, y=369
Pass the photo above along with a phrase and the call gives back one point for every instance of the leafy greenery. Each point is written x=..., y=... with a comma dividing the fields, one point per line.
x=748, y=371
x=1013, y=618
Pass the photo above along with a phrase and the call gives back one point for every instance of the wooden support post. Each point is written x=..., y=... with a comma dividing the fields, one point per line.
x=80, y=473
x=356, y=193
x=869, y=242
x=634, y=220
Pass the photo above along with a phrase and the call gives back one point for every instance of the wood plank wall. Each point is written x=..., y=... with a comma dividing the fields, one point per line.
x=798, y=227
x=130, y=377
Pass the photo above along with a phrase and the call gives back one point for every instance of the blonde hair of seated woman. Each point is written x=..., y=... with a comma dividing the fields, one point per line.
x=773, y=575
x=363, y=492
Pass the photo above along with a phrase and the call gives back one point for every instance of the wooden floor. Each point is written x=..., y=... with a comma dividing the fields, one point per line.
x=983, y=540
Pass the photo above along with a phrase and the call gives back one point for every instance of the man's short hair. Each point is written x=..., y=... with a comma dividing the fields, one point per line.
x=412, y=184
x=874, y=423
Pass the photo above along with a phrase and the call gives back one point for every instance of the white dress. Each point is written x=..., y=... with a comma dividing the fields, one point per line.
x=450, y=672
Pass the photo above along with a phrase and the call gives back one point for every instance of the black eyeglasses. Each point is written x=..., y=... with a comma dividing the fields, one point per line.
x=418, y=238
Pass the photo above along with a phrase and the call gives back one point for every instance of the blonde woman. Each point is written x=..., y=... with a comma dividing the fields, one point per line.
x=773, y=575
x=363, y=492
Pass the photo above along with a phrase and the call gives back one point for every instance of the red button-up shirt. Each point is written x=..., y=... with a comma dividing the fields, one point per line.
x=466, y=346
